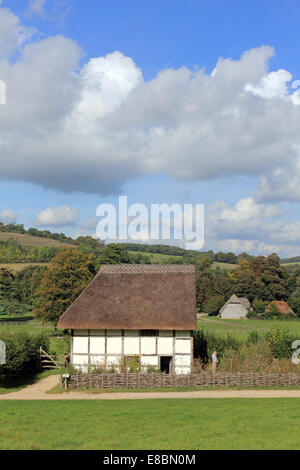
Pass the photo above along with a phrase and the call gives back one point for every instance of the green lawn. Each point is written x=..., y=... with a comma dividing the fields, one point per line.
x=241, y=328
x=151, y=424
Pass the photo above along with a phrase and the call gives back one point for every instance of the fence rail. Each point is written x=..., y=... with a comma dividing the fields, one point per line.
x=205, y=379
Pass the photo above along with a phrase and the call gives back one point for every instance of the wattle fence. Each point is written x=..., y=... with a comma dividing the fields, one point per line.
x=205, y=379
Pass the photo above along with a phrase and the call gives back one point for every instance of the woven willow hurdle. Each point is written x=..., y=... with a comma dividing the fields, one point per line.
x=205, y=379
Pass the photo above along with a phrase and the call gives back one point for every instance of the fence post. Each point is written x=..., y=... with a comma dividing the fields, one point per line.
x=77, y=381
x=238, y=379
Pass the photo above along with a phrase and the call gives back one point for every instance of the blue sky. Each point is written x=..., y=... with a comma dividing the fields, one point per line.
x=151, y=114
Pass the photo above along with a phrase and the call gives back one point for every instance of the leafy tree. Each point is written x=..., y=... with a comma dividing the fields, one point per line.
x=259, y=306
x=274, y=278
x=68, y=274
x=243, y=279
x=213, y=304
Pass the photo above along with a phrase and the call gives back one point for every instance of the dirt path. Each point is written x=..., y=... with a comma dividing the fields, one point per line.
x=38, y=392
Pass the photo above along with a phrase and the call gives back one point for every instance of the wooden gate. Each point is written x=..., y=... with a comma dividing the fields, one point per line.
x=49, y=362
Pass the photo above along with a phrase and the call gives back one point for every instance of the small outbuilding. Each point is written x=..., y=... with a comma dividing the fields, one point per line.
x=146, y=312
x=281, y=306
x=235, y=308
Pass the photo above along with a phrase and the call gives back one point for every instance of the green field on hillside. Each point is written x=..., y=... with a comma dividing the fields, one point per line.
x=28, y=240
x=18, y=267
x=228, y=266
x=241, y=328
x=177, y=424
x=156, y=257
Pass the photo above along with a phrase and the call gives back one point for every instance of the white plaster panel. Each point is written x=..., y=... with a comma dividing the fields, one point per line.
x=183, y=346
x=97, y=360
x=149, y=360
x=131, y=345
x=165, y=346
x=182, y=360
x=80, y=360
x=114, y=344
x=183, y=334
x=80, y=345
x=97, y=344
x=148, y=345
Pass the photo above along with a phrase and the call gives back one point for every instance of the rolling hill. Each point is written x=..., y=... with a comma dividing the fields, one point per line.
x=28, y=240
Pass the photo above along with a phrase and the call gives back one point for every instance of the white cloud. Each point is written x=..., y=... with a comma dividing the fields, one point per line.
x=12, y=33
x=35, y=7
x=58, y=216
x=8, y=216
x=249, y=226
x=92, y=129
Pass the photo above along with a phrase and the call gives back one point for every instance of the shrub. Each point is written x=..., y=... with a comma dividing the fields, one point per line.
x=213, y=304
x=22, y=352
x=259, y=306
x=205, y=343
x=280, y=342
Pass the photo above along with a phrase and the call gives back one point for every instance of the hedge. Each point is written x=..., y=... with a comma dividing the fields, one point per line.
x=22, y=352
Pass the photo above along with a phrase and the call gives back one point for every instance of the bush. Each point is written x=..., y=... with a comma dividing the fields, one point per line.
x=259, y=306
x=213, y=304
x=280, y=342
x=22, y=352
x=206, y=343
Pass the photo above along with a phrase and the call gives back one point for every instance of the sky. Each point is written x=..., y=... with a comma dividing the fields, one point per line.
x=165, y=101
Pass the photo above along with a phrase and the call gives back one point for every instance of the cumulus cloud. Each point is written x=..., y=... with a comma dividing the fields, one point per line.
x=12, y=33
x=92, y=129
x=248, y=226
x=8, y=216
x=58, y=216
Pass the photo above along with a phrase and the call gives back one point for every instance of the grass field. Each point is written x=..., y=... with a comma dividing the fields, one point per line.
x=228, y=266
x=18, y=267
x=241, y=328
x=156, y=257
x=182, y=424
x=27, y=240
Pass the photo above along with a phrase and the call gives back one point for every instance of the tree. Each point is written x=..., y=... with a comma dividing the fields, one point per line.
x=213, y=304
x=243, y=279
x=274, y=278
x=114, y=254
x=67, y=275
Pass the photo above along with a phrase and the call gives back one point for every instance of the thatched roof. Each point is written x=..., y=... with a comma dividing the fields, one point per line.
x=234, y=299
x=245, y=302
x=281, y=305
x=154, y=297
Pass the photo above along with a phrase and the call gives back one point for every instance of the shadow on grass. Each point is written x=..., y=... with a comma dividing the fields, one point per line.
x=8, y=385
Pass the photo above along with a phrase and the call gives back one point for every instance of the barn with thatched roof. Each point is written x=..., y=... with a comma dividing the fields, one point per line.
x=143, y=311
x=235, y=308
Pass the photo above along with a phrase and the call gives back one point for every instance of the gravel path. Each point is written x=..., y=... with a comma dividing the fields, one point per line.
x=38, y=392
